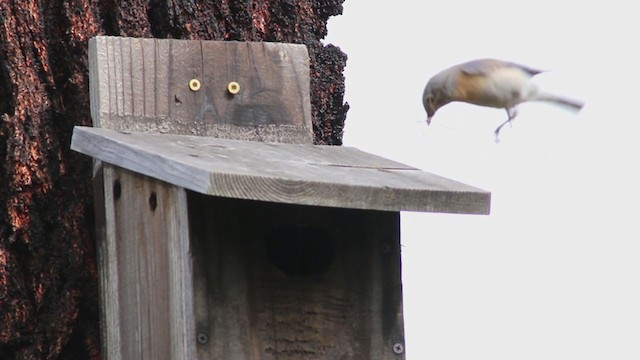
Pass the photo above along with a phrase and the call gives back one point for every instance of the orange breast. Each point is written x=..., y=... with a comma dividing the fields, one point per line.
x=478, y=90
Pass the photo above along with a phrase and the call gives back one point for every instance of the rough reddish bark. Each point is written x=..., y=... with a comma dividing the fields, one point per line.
x=48, y=286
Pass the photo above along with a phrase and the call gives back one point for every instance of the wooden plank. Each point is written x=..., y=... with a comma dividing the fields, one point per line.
x=143, y=85
x=287, y=173
x=185, y=105
x=107, y=270
x=145, y=269
x=300, y=283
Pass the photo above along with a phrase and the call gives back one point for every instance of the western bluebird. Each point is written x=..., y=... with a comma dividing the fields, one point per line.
x=488, y=82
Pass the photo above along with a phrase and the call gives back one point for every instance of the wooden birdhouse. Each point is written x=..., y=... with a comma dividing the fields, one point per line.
x=223, y=232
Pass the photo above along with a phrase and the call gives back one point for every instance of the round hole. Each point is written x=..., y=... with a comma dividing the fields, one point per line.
x=117, y=190
x=301, y=251
x=153, y=201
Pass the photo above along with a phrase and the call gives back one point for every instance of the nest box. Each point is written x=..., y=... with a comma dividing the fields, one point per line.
x=223, y=232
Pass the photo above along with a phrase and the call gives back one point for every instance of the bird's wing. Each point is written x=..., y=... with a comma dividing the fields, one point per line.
x=487, y=66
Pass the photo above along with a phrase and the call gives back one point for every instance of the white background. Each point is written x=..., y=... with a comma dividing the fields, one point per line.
x=554, y=271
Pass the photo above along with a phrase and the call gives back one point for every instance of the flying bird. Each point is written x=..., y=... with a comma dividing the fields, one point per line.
x=491, y=83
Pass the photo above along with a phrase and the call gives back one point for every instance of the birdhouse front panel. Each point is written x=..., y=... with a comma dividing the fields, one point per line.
x=280, y=281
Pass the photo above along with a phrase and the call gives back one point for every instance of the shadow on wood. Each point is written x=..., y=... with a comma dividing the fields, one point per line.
x=278, y=281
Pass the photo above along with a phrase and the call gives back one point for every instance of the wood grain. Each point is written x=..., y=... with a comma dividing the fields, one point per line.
x=142, y=85
x=145, y=269
x=349, y=307
x=287, y=173
x=240, y=267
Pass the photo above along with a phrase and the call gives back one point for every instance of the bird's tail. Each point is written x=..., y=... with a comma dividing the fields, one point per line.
x=572, y=104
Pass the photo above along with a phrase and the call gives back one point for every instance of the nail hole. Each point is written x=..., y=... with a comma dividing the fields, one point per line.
x=117, y=190
x=153, y=201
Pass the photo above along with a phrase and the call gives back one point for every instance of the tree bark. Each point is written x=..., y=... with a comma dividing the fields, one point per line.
x=48, y=275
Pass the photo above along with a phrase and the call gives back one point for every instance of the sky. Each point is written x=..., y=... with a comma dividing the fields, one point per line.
x=554, y=271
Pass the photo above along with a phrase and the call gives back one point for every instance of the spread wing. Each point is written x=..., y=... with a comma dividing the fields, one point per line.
x=486, y=66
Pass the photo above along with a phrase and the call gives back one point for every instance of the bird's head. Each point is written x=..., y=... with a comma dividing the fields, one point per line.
x=435, y=96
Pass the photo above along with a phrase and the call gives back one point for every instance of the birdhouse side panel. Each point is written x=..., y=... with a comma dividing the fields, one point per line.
x=145, y=272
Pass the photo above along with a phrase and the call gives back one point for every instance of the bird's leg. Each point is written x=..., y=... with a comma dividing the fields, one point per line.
x=511, y=112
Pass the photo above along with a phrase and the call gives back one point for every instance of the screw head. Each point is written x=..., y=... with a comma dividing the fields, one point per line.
x=194, y=84
x=233, y=88
x=398, y=348
x=202, y=338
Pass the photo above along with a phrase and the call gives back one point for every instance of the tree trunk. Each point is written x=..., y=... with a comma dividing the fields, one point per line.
x=48, y=275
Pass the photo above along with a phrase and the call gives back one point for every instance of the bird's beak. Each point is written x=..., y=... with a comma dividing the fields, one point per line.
x=429, y=120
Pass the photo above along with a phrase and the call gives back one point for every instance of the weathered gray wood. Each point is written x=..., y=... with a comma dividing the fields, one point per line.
x=145, y=269
x=143, y=85
x=189, y=276
x=278, y=281
x=287, y=173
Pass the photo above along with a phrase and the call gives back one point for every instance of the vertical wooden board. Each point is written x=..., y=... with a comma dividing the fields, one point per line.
x=129, y=82
x=138, y=72
x=291, y=64
x=161, y=60
x=97, y=85
x=217, y=73
x=147, y=234
x=273, y=101
x=239, y=62
x=107, y=267
x=185, y=104
x=128, y=73
x=143, y=85
x=116, y=76
x=276, y=281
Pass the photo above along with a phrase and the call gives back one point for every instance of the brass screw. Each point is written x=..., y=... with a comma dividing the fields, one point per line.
x=194, y=84
x=233, y=87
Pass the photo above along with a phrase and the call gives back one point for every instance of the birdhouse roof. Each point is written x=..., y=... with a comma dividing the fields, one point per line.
x=334, y=176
